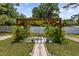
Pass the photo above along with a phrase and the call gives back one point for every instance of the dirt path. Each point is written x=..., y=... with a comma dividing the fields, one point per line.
x=72, y=38
x=39, y=50
x=3, y=37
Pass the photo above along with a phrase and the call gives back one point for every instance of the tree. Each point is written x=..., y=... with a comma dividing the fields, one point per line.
x=69, y=22
x=9, y=12
x=3, y=19
x=77, y=22
x=46, y=10
x=8, y=9
x=76, y=18
x=21, y=16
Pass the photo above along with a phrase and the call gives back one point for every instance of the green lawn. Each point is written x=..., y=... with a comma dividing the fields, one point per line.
x=69, y=48
x=17, y=49
x=6, y=33
x=74, y=35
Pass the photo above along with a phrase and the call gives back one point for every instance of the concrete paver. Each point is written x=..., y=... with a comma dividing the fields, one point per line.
x=39, y=50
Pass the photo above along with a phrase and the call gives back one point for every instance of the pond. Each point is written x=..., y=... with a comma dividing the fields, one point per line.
x=71, y=30
x=40, y=29
x=37, y=29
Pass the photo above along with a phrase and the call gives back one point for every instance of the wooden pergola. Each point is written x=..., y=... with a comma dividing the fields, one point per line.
x=49, y=21
x=34, y=21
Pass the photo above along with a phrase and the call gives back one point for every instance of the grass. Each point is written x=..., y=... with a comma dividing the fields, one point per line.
x=6, y=33
x=74, y=35
x=16, y=49
x=69, y=48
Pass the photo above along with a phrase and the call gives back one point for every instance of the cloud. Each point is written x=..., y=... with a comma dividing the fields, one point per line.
x=66, y=14
x=70, y=10
x=24, y=4
x=28, y=9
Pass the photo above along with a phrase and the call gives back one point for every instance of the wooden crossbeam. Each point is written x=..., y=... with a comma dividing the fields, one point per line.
x=49, y=21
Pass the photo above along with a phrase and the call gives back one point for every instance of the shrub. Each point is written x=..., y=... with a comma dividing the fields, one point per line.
x=20, y=33
x=54, y=34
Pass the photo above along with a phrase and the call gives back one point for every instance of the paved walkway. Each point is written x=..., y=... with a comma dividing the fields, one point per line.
x=72, y=38
x=39, y=50
x=3, y=37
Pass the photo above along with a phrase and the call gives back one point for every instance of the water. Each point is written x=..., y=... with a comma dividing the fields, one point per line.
x=72, y=30
x=37, y=29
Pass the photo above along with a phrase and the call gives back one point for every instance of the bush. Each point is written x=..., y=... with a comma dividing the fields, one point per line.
x=20, y=33
x=54, y=34
x=57, y=36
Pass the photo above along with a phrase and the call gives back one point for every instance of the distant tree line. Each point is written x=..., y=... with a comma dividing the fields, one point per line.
x=69, y=22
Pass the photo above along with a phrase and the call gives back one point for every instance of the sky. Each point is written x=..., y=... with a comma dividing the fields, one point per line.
x=26, y=9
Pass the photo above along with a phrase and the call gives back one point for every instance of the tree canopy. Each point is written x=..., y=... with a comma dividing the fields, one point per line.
x=46, y=10
x=8, y=13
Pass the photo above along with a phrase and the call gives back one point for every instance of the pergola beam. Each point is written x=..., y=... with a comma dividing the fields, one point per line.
x=51, y=21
